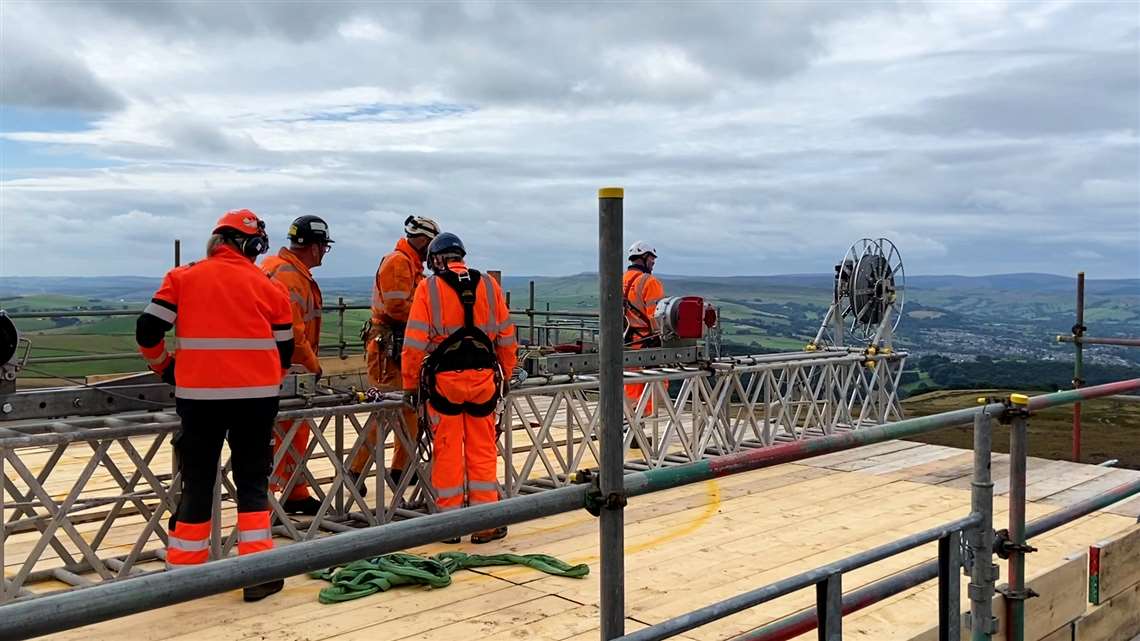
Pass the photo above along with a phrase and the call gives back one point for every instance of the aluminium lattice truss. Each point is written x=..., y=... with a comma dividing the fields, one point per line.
x=88, y=500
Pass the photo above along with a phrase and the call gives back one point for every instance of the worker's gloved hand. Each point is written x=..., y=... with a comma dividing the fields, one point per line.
x=372, y=395
x=412, y=397
x=168, y=374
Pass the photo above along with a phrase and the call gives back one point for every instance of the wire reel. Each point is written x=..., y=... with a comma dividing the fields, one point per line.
x=867, y=297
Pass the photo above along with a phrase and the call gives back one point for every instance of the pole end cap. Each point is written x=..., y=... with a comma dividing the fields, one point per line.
x=1019, y=399
x=611, y=192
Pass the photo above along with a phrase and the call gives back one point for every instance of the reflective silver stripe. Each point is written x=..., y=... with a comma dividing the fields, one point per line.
x=639, y=295
x=222, y=393
x=179, y=566
x=316, y=313
x=300, y=300
x=377, y=301
x=448, y=492
x=233, y=343
x=505, y=341
x=188, y=545
x=396, y=295
x=245, y=536
x=420, y=325
x=448, y=508
x=479, y=502
x=154, y=309
x=282, y=334
x=653, y=301
x=431, y=347
x=483, y=485
x=285, y=267
x=436, y=308
x=417, y=344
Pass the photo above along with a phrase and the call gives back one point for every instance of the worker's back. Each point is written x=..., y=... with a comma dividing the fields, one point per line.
x=229, y=319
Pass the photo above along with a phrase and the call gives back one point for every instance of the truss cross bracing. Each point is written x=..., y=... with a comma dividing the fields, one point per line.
x=89, y=500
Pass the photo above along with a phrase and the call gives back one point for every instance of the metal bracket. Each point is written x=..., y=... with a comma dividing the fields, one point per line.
x=1010, y=410
x=595, y=500
x=1004, y=545
x=1017, y=595
x=990, y=629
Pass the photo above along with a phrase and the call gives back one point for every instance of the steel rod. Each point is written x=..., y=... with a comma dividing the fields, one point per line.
x=1091, y=340
x=741, y=602
x=611, y=401
x=1078, y=364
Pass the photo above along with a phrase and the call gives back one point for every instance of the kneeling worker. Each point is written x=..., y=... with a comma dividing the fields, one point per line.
x=309, y=241
x=235, y=343
x=460, y=373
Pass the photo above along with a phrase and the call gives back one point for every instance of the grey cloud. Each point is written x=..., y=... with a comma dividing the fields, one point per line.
x=34, y=74
x=513, y=52
x=1080, y=94
x=295, y=21
x=192, y=136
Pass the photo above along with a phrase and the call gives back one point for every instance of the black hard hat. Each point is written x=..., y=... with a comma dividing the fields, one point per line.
x=309, y=229
x=446, y=243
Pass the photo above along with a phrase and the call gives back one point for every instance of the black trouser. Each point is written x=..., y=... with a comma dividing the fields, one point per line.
x=247, y=424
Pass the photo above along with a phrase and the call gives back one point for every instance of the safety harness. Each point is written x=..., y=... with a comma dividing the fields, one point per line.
x=467, y=348
x=631, y=336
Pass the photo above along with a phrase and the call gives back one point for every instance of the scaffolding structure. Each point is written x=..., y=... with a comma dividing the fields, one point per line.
x=712, y=418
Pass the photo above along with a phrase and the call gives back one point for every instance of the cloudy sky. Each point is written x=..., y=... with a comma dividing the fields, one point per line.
x=751, y=138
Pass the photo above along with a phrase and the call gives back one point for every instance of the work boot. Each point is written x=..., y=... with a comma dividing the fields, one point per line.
x=398, y=474
x=486, y=536
x=354, y=478
x=259, y=592
x=307, y=506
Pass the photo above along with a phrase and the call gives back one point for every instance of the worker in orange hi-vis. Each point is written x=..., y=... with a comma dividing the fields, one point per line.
x=235, y=342
x=309, y=241
x=399, y=274
x=459, y=351
x=641, y=291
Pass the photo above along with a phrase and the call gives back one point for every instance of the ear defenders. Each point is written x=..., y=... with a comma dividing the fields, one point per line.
x=252, y=246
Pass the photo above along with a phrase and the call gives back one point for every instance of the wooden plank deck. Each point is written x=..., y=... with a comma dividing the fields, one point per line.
x=685, y=548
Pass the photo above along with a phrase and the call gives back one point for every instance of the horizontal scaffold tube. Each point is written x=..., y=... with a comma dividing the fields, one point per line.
x=803, y=621
x=47, y=614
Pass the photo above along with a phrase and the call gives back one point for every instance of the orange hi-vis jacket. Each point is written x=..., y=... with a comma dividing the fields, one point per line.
x=399, y=274
x=305, y=299
x=233, y=326
x=642, y=291
x=437, y=313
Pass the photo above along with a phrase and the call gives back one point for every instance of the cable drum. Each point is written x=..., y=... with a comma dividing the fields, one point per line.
x=867, y=297
x=9, y=339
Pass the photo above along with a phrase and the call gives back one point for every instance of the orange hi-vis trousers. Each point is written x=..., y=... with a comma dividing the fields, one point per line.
x=280, y=477
x=189, y=543
x=384, y=375
x=465, y=454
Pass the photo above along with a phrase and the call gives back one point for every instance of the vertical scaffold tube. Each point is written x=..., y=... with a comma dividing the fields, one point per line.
x=1078, y=364
x=1018, y=455
x=983, y=574
x=611, y=484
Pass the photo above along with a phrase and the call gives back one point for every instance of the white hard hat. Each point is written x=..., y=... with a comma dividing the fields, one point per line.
x=420, y=226
x=640, y=248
